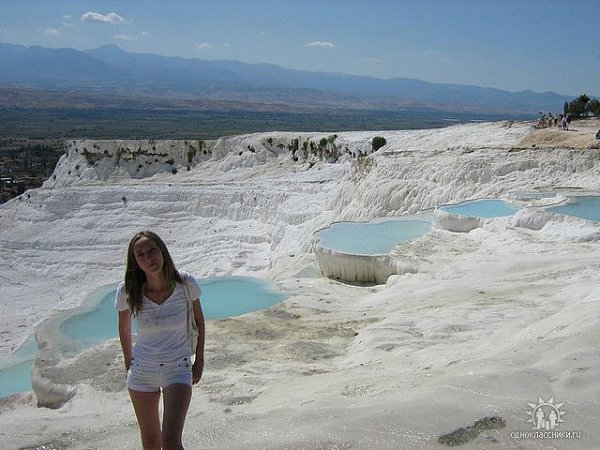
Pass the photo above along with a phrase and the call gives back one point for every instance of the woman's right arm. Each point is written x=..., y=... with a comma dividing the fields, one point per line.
x=125, y=336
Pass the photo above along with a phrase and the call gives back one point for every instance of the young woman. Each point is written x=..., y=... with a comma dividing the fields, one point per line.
x=154, y=294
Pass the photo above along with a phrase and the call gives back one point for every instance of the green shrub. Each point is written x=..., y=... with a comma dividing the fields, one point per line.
x=190, y=154
x=378, y=142
x=594, y=107
x=577, y=107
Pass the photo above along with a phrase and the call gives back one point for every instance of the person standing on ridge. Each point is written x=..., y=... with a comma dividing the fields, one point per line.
x=157, y=296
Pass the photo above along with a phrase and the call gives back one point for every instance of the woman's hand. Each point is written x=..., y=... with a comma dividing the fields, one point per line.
x=197, y=369
x=125, y=337
x=198, y=366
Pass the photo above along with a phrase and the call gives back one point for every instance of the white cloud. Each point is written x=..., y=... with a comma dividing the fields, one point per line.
x=52, y=32
x=112, y=17
x=123, y=37
x=126, y=37
x=227, y=45
x=320, y=44
x=4, y=31
x=66, y=21
x=205, y=46
x=373, y=60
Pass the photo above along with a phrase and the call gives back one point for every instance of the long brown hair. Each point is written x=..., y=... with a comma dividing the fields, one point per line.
x=135, y=278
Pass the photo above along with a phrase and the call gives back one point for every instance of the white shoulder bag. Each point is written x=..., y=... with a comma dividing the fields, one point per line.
x=192, y=326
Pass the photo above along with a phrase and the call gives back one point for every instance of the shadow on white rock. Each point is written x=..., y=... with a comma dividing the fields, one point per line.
x=456, y=223
x=47, y=387
x=553, y=226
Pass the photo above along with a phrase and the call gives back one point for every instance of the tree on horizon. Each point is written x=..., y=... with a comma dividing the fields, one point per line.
x=583, y=105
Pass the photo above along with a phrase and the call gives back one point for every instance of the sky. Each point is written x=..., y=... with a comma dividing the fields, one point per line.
x=541, y=45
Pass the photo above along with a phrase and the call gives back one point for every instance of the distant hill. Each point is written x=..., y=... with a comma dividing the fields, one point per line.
x=110, y=70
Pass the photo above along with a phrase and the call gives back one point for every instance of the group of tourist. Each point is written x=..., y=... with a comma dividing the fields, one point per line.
x=555, y=120
x=562, y=120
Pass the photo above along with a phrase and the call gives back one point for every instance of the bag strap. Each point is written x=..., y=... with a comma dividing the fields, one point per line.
x=190, y=305
x=192, y=326
x=186, y=288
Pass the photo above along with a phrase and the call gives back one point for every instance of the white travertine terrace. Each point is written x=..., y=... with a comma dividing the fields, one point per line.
x=354, y=268
x=445, y=220
x=491, y=320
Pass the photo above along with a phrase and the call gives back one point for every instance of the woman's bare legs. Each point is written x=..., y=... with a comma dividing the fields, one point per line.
x=145, y=405
x=176, y=400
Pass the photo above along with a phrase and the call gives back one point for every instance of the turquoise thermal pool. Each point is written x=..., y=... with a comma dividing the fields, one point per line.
x=585, y=207
x=370, y=238
x=17, y=376
x=221, y=297
x=484, y=209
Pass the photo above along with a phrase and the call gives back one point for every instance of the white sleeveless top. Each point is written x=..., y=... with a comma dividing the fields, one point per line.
x=162, y=334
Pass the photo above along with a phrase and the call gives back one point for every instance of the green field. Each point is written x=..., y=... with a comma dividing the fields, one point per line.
x=31, y=138
x=111, y=123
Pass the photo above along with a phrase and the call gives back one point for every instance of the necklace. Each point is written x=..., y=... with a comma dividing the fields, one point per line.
x=158, y=314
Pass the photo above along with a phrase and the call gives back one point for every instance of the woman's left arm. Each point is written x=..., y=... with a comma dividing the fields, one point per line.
x=125, y=336
x=198, y=366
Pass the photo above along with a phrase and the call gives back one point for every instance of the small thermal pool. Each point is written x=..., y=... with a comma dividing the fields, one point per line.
x=370, y=238
x=15, y=375
x=16, y=378
x=484, y=209
x=221, y=297
x=585, y=207
x=466, y=216
x=360, y=252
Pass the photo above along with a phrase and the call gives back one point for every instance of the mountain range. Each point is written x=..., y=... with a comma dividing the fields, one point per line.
x=110, y=70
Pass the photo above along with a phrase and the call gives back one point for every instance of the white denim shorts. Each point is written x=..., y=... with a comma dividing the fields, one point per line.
x=152, y=377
